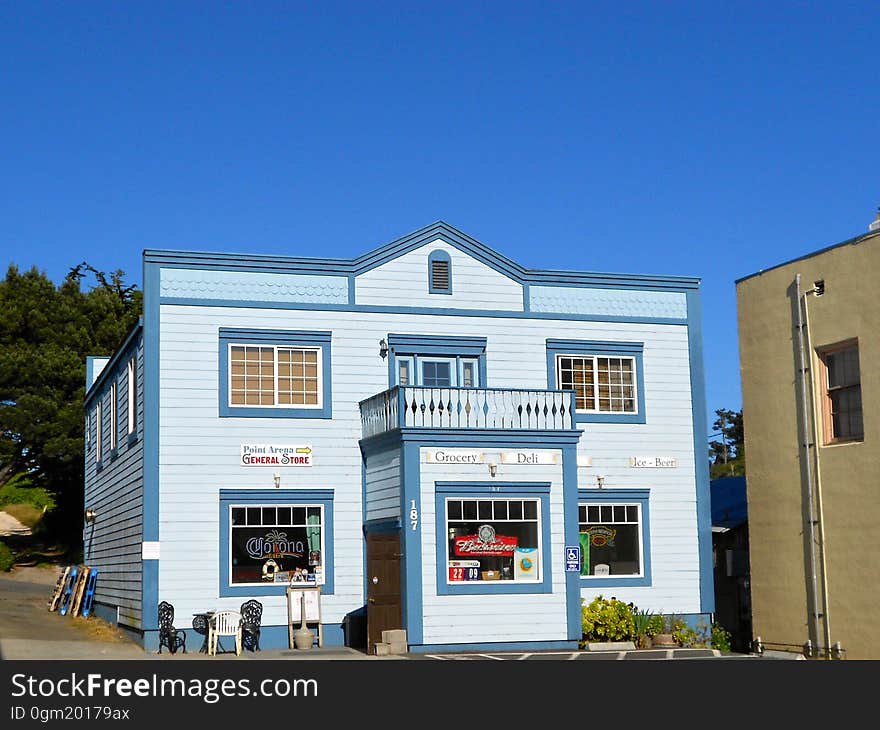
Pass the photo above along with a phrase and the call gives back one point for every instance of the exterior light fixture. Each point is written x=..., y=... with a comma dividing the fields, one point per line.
x=600, y=480
x=90, y=515
x=493, y=469
x=277, y=477
x=383, y=348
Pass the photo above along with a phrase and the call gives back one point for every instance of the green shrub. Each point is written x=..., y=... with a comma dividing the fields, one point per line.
x=19, y=490
x=7, y=559
x=720, y=637
x=605, y=619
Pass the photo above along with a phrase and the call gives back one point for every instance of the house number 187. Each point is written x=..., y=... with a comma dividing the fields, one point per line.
x=413, y=514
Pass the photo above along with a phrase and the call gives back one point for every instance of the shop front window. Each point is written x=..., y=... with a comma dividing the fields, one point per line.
x=276, y=543
x=610, y=539
x=493, y=539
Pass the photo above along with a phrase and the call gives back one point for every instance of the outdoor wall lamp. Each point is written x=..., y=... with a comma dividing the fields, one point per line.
x=493, y=469
x=277, y=478
x=383, y=348
x=90, y=515
x=600, y=480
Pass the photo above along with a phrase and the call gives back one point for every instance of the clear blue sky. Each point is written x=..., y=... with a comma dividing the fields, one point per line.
x=708, y=139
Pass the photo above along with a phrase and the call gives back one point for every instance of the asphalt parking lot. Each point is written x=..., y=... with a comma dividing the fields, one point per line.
x=28, y=630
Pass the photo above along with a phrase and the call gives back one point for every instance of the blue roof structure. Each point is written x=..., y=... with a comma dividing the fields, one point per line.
x=728, y=502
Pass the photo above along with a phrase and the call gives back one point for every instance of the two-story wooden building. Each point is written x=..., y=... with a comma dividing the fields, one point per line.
x=437, y=436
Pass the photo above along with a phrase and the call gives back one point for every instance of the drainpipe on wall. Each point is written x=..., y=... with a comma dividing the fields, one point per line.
x=808, y=463
x=826, y=616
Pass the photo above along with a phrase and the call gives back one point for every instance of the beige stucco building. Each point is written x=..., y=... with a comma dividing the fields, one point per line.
x=809, y=344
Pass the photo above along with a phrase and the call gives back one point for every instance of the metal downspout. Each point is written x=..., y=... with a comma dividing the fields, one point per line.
x=826, y=616
x=805, y=443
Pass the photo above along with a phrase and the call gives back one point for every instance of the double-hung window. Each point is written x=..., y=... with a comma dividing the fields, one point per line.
x=114, y=398
x=99, y=431
x=606, y=378
x=131, y=398
x=842, y=393
x=269, y=373
x=613, y=535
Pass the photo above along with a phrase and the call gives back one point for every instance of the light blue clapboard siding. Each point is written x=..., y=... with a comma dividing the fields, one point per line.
x=199, y=452
x=488, y=618
x=112, y=544
x=382, y=496
x=404, y=282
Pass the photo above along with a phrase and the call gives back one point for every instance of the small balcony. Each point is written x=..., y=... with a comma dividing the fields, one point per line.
x=474, y=408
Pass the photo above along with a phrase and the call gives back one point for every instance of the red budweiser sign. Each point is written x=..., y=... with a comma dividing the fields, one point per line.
x=473, y=545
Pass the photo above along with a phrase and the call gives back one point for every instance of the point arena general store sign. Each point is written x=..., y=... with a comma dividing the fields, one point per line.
x=276, y=455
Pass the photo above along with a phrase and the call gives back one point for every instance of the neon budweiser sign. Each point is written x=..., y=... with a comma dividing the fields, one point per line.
x=485, y=542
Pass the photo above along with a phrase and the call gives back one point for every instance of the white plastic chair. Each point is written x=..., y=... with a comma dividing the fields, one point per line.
x=224, y=623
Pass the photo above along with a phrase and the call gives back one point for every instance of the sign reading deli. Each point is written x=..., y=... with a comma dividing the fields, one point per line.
x=530, y=457
x=276, y=455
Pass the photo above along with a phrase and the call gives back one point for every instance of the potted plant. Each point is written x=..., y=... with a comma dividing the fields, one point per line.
x=665, y=637
x=643, y=622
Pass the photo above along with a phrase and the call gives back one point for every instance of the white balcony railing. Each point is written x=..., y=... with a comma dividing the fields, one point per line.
x=479, y=408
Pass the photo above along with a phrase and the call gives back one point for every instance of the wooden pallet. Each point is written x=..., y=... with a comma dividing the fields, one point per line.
x=55, y=598
x=79, y=589
x=89, y=596
x=67, y=591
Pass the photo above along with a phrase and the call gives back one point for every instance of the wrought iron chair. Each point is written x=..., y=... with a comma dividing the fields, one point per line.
x=200, y=626
x=251, y=616
x=224, y=623
x=169, y=636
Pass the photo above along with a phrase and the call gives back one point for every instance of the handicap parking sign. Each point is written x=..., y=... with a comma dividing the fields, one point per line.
x=572, y=558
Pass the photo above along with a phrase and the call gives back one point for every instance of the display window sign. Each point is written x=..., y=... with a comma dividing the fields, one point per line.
x=493, y=539
x=272, y=540
x=610, y=539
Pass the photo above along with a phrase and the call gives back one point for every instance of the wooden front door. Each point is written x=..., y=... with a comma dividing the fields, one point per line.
x=383, y=586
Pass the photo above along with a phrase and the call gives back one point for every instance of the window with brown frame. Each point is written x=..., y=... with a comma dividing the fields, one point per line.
x=842, y=393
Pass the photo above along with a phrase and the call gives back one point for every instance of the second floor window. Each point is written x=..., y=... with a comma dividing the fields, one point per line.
x=842, y=401
x=602, y=384
x=272, y=376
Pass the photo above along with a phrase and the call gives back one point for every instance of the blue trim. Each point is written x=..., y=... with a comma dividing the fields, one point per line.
x=519, y=646
x=439, y=255
x=492, y=490
x=352, y=291
x=384, y=526
x=642, y=497
x=411, y=587
x=574, y=614
x=150, y=528
x=229, y=336
x=449, y=234
x=701, y=462
x=527, y=297
x=613, y=349
x=266, y=497
x=113, y=361
x=436, y=345
x=445, y=311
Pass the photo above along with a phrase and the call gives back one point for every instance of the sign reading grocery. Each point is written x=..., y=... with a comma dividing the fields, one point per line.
x=454, y=456
x=530, y=457
x=276, y=455
x=652, y=461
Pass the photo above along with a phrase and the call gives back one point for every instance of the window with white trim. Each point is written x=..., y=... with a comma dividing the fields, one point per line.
x=610, y=538
x=600, y=384
x=98, y=431
x=287, y=539
x=131, y=376
x=841, y=400
x=493, y=539
x=113, y=424
x=273, y=375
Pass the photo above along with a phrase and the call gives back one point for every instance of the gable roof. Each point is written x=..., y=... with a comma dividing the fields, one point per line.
x=401, y=246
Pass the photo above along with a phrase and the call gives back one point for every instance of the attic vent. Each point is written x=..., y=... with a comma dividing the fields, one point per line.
x=439, y=273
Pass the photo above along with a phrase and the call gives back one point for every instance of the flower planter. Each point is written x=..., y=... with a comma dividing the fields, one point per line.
x=663, y=641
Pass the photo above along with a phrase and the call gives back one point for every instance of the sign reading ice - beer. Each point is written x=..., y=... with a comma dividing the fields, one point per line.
x=276, y=455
